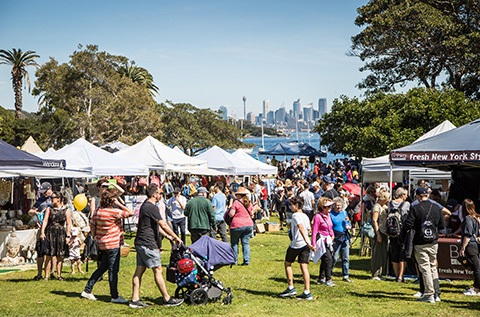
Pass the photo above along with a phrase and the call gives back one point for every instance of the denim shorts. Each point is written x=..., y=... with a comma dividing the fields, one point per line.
x=148, y=257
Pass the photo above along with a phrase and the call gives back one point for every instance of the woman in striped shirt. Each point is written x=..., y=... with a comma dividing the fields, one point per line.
x=106, y=226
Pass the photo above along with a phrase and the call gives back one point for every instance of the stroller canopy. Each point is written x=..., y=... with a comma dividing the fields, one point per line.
x=216, y=253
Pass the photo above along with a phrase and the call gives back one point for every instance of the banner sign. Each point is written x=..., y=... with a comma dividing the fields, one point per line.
x=448, y=264
x=435, y=157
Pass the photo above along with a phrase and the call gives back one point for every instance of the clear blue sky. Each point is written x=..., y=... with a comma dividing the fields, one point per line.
x=207, y=53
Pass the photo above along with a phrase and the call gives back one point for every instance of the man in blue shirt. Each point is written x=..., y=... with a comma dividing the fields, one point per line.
x=219, y=201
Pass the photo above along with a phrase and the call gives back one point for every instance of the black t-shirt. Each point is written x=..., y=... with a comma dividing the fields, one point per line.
x=147, y=228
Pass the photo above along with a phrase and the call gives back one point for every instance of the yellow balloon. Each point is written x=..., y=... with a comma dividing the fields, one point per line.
x=80, y=202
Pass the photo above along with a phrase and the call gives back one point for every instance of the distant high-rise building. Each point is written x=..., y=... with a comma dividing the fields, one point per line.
x=316, y=115
x=308, y=113
x=223, y=112
x=297, y=108
x=266, y=107
x=250, y=117
x=280, y=116
x=322, y=106
x=271, y=118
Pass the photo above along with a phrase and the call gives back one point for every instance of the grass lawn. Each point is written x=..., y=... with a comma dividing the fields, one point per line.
x=255, y=289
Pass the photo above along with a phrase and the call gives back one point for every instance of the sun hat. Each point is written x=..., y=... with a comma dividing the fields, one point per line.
x=242, y=191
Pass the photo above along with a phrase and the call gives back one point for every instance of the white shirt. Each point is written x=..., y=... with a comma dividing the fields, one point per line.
x=297, y=239
x=307, y=200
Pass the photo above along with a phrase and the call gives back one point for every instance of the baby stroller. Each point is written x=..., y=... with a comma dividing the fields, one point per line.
x=192, y=270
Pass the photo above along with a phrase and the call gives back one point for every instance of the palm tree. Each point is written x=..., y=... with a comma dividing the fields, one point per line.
x=139, y=76
x=19, y=60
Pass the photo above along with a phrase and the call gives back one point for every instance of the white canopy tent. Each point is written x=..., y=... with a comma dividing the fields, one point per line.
x=158, y=156
x=31, y=146
x=228, y=164
x=85, y=157
x=379, y=168
x=263, y=169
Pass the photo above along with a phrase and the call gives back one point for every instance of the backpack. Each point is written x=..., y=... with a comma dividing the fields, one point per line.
x=394, y=220
x=428, y=231
x=185, y=190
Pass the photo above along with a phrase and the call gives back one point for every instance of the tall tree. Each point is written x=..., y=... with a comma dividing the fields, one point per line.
x=138, y=75
x=87, y=97
x=383, y=122
x=433, y=43
x=193, y=129
x=19, y=60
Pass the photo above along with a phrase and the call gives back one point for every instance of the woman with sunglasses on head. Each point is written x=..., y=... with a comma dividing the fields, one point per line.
x=322, y=229
x=55, y=233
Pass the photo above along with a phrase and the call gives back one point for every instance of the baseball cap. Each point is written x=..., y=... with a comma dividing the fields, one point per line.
x=421, y=191
x=315, y=184
x=327, y=179
x=451, y=204
x=202, y=190
x=44, y=187
x=329, y=203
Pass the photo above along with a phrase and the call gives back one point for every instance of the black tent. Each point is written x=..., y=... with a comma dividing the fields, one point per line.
x=12, y=158
x=293, y=148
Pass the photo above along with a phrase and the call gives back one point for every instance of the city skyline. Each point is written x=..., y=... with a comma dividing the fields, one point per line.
x=208, y=54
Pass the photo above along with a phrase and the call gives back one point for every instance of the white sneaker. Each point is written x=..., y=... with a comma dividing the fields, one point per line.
x=471, y=292
x=437, y=298
x=119, y=300
x=418, y=295
x=88, y=296
x=427, y=299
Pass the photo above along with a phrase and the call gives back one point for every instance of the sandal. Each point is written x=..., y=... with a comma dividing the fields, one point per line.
x=37, y=278
x=60, y=278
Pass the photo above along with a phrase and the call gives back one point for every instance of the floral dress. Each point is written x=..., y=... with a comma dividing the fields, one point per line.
x=56, y=233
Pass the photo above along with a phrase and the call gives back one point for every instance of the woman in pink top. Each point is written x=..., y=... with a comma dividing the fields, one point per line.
x=322, y=227
x=241, y=226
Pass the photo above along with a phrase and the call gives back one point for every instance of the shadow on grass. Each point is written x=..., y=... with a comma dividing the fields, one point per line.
x=263, y=293
x=101, y=298
x=382, y=294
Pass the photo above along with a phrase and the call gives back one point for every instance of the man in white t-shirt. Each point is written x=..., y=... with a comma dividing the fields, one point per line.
x=299, y=248
x=308, y=202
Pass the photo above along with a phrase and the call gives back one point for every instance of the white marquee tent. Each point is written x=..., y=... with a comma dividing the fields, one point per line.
x=158, y=156
x=263, y=169
x=85, y=157
x=379, y=169
x=225, y=162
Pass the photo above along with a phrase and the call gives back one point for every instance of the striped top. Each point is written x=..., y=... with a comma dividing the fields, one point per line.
x=108, y=229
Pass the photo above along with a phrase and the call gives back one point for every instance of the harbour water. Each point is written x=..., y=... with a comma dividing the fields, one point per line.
x=311, y=138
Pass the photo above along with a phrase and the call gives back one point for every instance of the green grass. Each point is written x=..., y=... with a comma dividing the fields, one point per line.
x=255, y=289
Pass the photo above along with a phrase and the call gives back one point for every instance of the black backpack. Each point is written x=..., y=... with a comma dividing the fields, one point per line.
x=428, y=231
x=394, y=220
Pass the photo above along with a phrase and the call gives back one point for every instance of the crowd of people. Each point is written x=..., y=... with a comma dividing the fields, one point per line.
x=311, y=202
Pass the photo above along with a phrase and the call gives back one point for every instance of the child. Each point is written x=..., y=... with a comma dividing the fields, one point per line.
x=74, y=246
x=299, y=247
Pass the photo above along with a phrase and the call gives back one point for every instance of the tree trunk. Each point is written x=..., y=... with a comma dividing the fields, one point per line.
x=17, y=89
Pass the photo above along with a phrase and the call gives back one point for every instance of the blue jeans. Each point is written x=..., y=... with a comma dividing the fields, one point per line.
x=342, y=249
x=244, y=234
x=178, y=225
x=265, y=207
x=109, y=261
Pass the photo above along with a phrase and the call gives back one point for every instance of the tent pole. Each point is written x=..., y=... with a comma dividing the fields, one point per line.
x=391, y=179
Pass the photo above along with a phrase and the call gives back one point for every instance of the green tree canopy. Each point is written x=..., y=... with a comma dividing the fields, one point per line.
x=193, y=129
x=89, y=97
x=383, y=122
x=434, y=43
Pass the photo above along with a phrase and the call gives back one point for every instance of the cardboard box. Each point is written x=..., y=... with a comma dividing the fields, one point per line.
x=272, y=226
x=259, y=227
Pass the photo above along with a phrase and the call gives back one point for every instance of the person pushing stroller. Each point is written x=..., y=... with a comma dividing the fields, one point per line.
x=150, y=225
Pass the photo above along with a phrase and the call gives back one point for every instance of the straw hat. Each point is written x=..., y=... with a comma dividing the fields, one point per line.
x=242, y=191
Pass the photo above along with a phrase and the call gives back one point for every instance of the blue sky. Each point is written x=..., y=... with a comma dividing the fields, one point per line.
x=207, y=53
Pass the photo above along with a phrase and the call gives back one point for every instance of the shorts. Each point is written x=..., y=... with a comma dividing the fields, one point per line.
x=41, y=246
x=148, y=257
x=303, y=255
x=397, y=250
